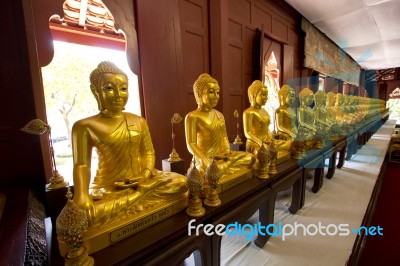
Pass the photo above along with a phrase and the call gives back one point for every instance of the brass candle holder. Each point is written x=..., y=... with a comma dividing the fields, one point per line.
x=174, y=156
x=237, y=140
x=213, y=174
x=38, y=127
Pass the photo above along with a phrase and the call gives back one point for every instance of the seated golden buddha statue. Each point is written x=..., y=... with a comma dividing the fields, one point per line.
x=354, y=110
x=306, y=118
x=126, y=184
x=342, y=115
x=286, y=120
x=323, y=123
x=256, y=121
x=335, y=113
x=206, y=136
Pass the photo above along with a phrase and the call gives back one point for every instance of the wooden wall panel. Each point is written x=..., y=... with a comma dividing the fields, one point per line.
x=20, y=153
x=235, y=69
x=287, y=67
x=236, y=101
x=262, y=18
x=244, y=62
x=158, y=29
x=241, y=9
x=280, y=29
x=195, y=60
x=173, y=47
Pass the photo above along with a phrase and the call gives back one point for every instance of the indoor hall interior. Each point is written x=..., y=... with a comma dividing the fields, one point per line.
x=348, y=49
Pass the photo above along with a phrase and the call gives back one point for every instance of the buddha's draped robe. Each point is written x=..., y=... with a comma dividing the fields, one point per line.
x=123, y=155
x=125, y=152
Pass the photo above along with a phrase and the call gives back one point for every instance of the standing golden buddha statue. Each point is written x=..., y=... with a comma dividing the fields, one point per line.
x=126, y=186
x=206, y=136
x=256, y=121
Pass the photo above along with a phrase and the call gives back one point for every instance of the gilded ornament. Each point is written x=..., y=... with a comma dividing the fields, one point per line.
x=195, y=183
x=71, y=225
x=213, y=174
x=39, y=127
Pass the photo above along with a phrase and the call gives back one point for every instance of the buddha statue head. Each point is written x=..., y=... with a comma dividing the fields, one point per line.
x=258, y=93
x=339, y=99
x=109, y=85
x=206, y=91
x=286, y=96
x=306, y=97
x=330, y=99
x=320, y=98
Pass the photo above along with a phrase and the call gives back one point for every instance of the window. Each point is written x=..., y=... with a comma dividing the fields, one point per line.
x=78, y=49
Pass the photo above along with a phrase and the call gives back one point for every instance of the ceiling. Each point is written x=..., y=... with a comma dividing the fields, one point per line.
x=367, y=30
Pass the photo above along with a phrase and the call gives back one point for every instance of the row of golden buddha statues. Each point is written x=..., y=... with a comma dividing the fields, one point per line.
x=127, y=189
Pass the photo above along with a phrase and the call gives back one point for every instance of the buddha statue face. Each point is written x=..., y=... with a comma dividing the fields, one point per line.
x=258, y=94
x=339, y=99
x=112, y=91
x=109, y=85
x=320, y=98
x=330, y=99
x=206, y=91
x=262, y=96
x=210, y=95
x=306, y=97
x=286, y=96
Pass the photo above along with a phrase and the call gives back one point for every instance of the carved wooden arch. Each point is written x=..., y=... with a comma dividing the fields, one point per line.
x=122, y=10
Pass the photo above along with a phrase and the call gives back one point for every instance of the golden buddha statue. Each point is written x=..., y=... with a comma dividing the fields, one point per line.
x=342, y=115
x=354, y=110
x=206, y=136
x=126, y=185
x=335, y=113
x=256, y=122
x=286, y=118
x=323, y=123
x=306, y=118
x=330, y=105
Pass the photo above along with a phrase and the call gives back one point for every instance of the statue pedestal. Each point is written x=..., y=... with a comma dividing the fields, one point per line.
x=234, y=179
x=238, y=147
x=282, y=156
x=177, y=167
x=100, y=237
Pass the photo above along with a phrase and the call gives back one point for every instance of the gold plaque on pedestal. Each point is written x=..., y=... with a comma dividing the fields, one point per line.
x=100, y=237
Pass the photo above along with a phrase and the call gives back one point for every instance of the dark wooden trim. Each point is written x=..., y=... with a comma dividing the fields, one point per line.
x=359, y=243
